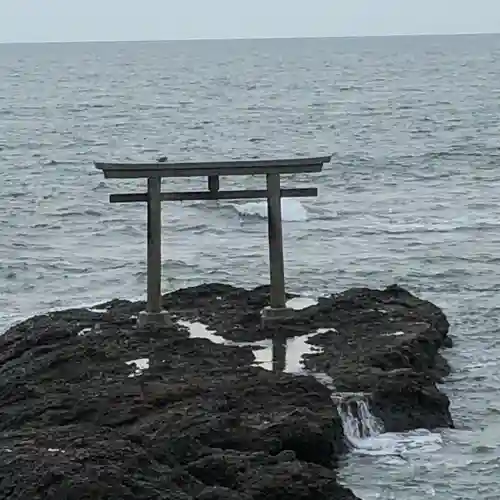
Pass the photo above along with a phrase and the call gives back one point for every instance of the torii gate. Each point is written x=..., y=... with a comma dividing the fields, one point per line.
x=155, y=172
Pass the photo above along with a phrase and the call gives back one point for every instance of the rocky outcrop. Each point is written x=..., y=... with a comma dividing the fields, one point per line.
x=391, y=352
x=93, y=407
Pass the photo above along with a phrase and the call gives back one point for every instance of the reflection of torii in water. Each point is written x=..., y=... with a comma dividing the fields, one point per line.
x=288, y=351
x=279, y=352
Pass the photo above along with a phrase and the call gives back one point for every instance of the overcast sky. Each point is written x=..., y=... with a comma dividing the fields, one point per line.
x=73, y=20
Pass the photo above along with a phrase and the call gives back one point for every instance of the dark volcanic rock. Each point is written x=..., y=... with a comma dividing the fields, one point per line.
x=385, y=343
x=79, y=420
x=388, y=346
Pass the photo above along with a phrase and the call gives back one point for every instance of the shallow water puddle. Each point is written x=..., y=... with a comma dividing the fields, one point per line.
x=140, y=365
x=294, y=350
x=299, y=303
x=84, y=332
x=198, y=330
x=264, y=350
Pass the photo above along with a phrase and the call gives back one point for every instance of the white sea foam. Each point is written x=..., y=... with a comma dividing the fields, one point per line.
x=291, y=210
x=366, y=436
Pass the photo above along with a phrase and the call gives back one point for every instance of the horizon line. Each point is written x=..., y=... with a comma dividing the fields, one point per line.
x=340, y=37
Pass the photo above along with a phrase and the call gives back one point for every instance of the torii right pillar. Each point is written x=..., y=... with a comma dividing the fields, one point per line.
x=277, y=309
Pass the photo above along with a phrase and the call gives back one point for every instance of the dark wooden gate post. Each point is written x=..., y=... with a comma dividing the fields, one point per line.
x=275, y=235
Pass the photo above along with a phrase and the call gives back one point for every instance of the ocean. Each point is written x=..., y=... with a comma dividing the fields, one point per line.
x=411, y=197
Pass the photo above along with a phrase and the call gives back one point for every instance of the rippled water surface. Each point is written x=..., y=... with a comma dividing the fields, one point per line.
x=411, y=195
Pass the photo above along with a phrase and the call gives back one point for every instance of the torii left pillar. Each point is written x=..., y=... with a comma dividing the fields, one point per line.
x=154, y=314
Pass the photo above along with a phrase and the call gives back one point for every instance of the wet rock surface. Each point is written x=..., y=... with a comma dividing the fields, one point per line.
x=93, y=407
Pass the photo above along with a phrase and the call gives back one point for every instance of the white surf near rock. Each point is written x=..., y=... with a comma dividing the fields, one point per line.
x=291, y=210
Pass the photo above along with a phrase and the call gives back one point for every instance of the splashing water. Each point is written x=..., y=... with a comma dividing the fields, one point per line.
x=358, y=421
x=291, y=210
x=366, y=436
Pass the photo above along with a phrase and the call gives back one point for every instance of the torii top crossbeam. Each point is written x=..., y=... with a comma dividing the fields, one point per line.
x=231, y=167
x=154, y=172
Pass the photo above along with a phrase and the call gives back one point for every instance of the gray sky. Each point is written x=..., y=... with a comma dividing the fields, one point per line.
x=73, y=20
